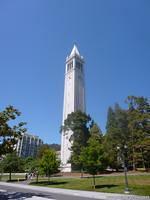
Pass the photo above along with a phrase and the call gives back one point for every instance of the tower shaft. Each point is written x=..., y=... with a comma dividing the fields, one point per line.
x=74, y=99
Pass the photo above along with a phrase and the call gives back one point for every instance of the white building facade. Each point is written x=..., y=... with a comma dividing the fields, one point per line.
x=28, y=145
x=74, y=99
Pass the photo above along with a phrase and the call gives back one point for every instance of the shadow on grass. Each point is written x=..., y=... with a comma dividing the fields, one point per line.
x=91, y=177
x=44, y=183
x=15, y=180
x=105, y=186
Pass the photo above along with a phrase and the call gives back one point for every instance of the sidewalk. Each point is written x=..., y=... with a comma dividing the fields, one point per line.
x=88, y=194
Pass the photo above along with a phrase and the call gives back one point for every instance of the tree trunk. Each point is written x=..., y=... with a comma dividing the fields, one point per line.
x=94, y=182
x=81, y=173
x=10, y=176
x=133, y=151
x=49, y=178
x=37, y=177
x=143, y=161
x=133, y=160
x=1, y=175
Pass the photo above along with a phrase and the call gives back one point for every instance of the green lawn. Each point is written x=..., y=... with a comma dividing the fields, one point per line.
x=13, y=177
x=138, y=184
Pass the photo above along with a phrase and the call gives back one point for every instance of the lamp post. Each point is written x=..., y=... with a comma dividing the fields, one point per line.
x=124, y=154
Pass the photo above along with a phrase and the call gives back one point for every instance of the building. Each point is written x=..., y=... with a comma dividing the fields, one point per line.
x=74, y=99
x=28, y=145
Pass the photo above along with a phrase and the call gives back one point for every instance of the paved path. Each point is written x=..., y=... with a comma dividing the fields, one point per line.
x=66, y=194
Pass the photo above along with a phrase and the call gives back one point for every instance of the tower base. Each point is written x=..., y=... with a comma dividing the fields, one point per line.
x=66, y=167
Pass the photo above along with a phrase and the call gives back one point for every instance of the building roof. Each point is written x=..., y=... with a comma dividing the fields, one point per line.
x=75, y=51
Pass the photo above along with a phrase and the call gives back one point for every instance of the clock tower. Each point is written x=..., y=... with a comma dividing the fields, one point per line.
x=74, y=99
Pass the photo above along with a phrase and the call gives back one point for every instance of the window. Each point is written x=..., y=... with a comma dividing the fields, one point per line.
x=79, y=65
x=70, y=66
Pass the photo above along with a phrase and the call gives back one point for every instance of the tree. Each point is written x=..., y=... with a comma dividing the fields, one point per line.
x=92, y=156
x=12, y=163
x=117, y=134
x=49, y=163
x=43, y=147
x=36, y=168
x=139, y=127
x=129, y=128
x=145, y=152
x=79, y=124
x=32, y=165
x=109, y=143
x=9, y=134
x=55, y=147
x=28, y=164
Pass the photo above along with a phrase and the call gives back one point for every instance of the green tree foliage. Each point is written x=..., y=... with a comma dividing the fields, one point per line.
x=44, y=147
x=49, y=163
x=117, y=134
x=131, y=128
x=109, y=143
x=79, y=124
x=139, y=127
x=9, y=134
x=92, y=156
x=55, y=147
x=28, y=164
x=12, y=163
x=32, y=165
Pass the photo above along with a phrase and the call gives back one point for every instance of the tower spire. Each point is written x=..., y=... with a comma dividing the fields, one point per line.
x=75, y=51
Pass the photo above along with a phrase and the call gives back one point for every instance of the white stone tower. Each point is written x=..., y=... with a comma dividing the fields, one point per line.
x=74, y=99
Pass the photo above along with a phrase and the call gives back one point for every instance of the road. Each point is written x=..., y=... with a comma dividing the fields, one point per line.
x=20, y=191
x=15, y=193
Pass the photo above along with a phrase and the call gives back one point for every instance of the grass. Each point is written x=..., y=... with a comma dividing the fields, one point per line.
x=13, y=178
x=138, y=184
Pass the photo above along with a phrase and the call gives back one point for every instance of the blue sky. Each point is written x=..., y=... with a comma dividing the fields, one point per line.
x=37, y=35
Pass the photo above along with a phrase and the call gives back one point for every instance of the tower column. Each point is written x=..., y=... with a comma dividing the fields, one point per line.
x=74, y=99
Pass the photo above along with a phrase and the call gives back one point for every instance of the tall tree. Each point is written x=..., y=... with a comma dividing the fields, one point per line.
x=92, y=156
x=49, y=163
x=139, y=126
x=9, y=134
x=79, y=124
x=117, y=134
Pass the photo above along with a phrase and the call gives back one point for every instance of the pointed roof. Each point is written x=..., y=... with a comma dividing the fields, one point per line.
x=75, y=51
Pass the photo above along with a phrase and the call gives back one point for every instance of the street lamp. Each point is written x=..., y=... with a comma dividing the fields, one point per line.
x=124, y=154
